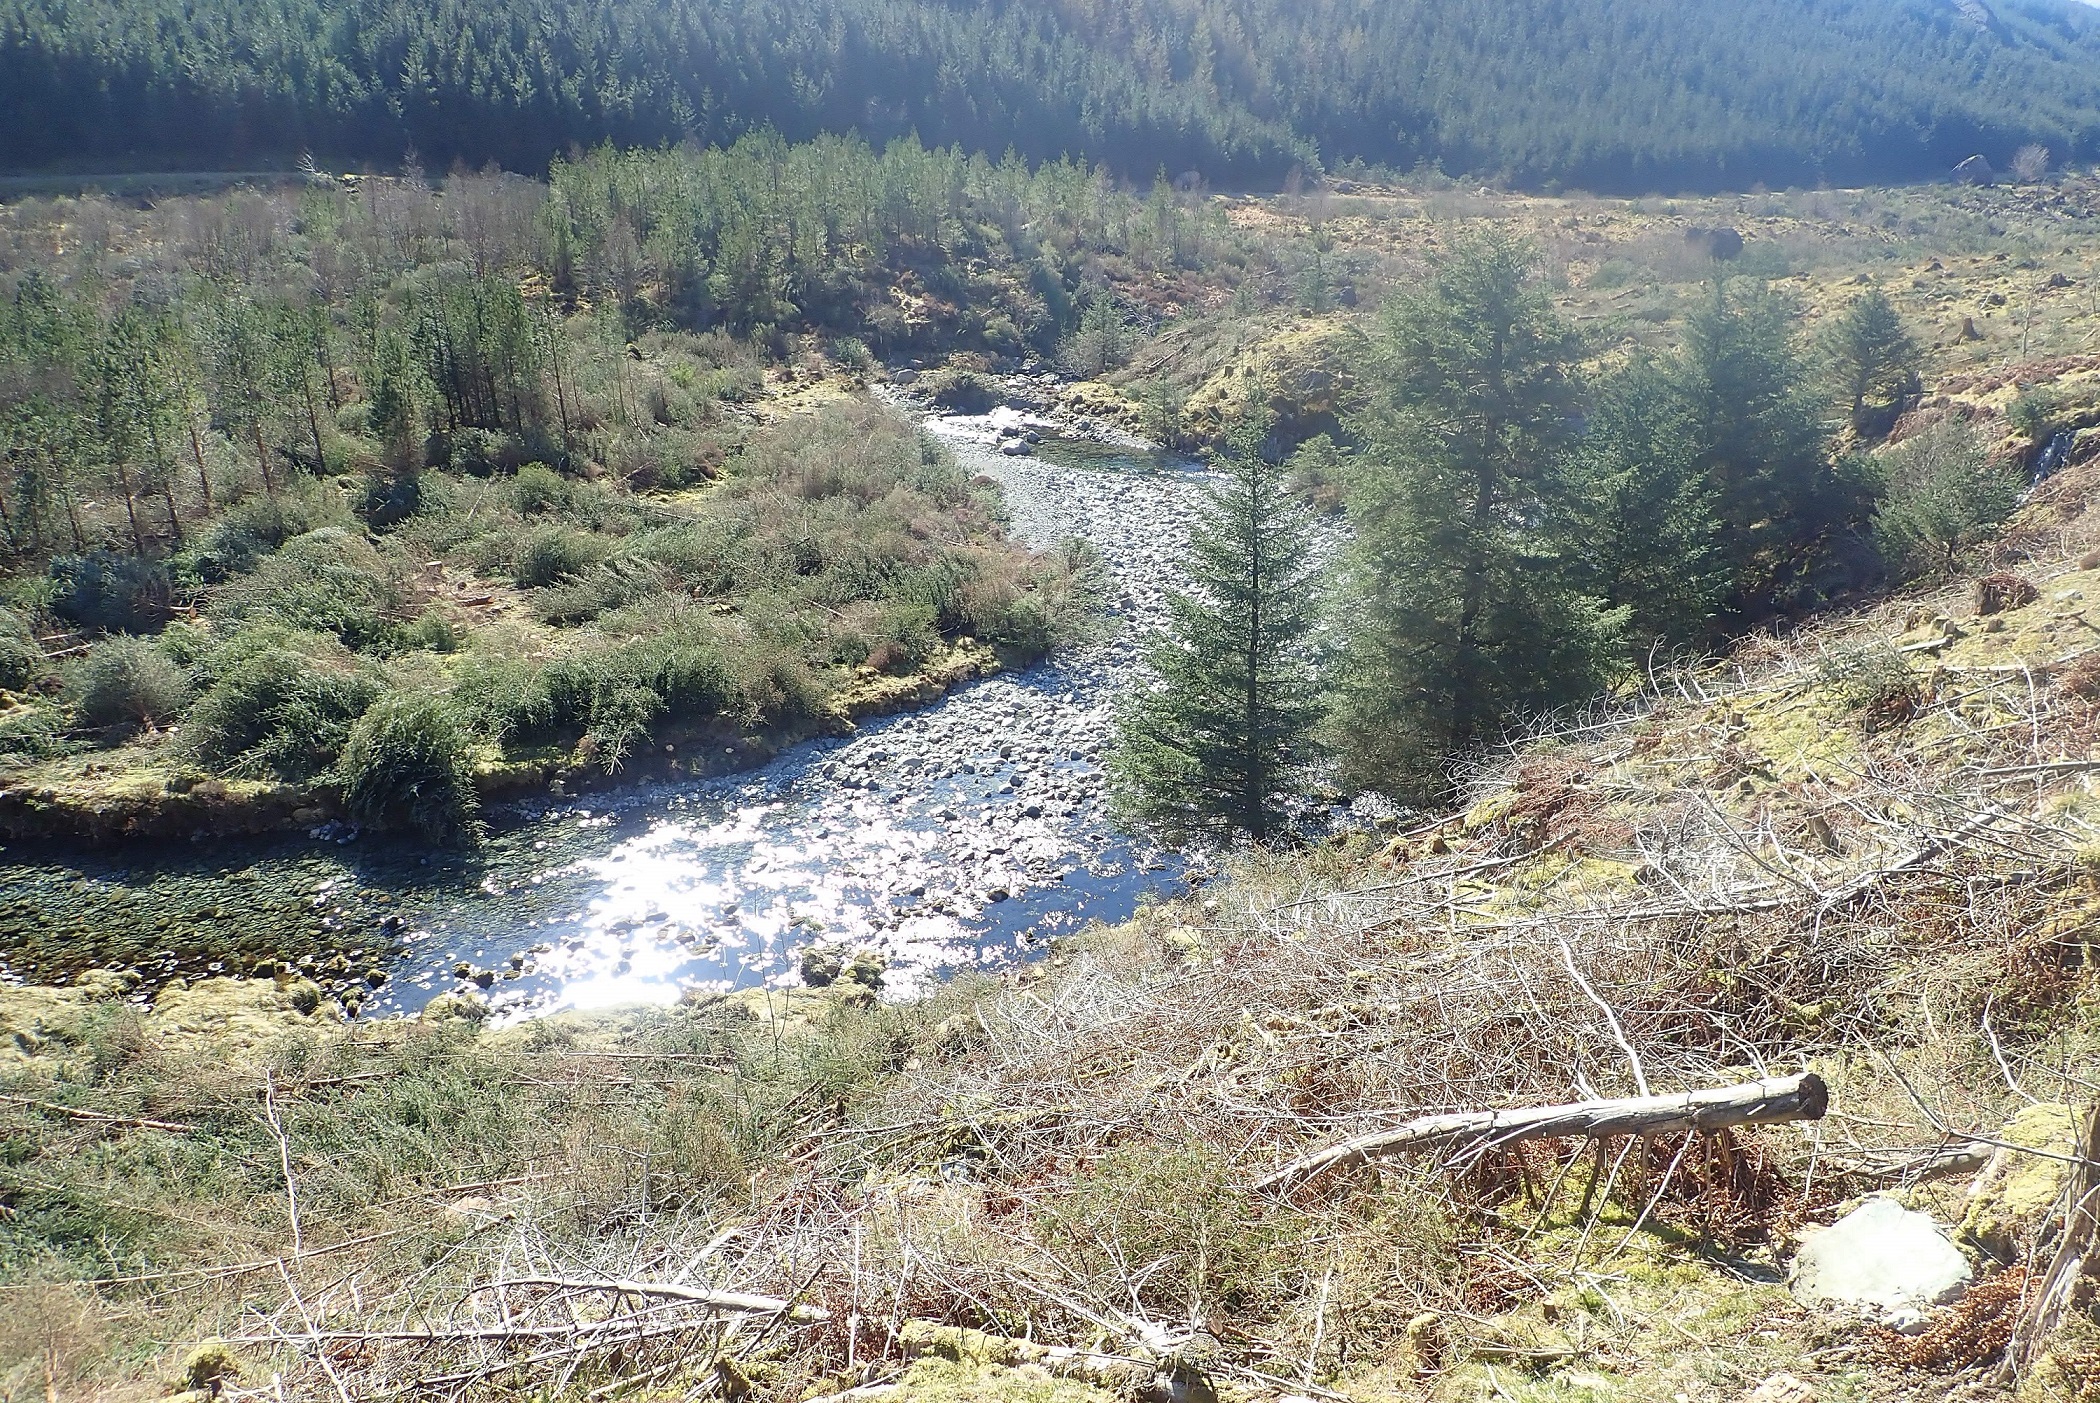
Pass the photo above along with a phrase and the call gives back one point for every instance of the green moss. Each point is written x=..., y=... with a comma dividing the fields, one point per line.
x=946, y=1381
x=2016, y=1190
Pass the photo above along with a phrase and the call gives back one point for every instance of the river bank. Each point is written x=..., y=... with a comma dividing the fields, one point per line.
x=931, y=837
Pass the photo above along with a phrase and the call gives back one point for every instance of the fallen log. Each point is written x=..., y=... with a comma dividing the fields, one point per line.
x=1774, y=1099
x=730, y=1302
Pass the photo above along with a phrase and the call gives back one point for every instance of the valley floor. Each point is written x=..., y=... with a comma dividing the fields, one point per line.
x=1046, y=1184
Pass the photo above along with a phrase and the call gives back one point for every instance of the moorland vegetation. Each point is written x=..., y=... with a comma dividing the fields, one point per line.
x=1701, y=601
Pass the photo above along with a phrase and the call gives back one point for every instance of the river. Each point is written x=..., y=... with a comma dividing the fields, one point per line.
x=959, y=835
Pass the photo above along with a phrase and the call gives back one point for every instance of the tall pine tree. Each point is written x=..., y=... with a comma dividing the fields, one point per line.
x=1463, y=611
x=1224, y=735
x=1784, y=504
x=1638, y=511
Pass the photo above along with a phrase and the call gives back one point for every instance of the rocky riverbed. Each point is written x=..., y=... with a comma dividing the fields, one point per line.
x=959, y=835
x=932, y=841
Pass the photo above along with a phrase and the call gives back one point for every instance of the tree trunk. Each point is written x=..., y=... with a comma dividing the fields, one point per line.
x=197, y=452
x=131, y=507
x=1799, y=1097
x=262, y=461
x=167, y=478
x=313, y=422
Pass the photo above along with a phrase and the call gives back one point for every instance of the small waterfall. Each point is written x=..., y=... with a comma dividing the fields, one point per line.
x=2055, y=453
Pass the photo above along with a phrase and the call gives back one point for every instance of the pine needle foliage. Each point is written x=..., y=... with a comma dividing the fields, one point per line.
x=1874, y=361
x=1463, y=609
x=1225, y=733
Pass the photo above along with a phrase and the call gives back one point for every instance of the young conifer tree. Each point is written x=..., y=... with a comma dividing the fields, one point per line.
x=1225, y=732
x=1466, y=607
x=1874, y=361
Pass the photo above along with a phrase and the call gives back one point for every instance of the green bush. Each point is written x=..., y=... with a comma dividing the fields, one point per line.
x=616, y=692
x=408, y=764
x=553, y=554
x=279, y=705
x=502, y=695
x=111, y=593
x=22, y=663
x=34, y=733
x=612, y=584
x=2033, y=413
x=254, y=527
x=433, y=632
x=327, y=581
x=390, y=498
x=962, y=391
x=538, y=488
x=1945, y=494
x=127, y=681
x=904, y=636
x=1207, y=1251
x=1876, y=682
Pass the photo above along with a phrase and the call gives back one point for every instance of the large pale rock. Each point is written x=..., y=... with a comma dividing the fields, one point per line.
x=1881, y=1259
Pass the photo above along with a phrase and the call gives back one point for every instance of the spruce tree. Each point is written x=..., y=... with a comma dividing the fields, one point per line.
x=1873, y=361
x=1757, y=429
x=1638, y=512
x=1463, y=610
x=1224, y=734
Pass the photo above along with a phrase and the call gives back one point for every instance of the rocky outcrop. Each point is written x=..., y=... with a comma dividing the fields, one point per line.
x=1975, y=171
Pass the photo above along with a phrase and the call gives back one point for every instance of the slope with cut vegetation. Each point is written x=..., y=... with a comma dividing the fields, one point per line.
x=1864, y=850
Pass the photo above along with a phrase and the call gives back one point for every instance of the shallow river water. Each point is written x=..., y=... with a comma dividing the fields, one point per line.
x=958, y=835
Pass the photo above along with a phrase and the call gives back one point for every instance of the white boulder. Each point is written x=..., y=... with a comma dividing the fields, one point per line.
x=1884, y=1260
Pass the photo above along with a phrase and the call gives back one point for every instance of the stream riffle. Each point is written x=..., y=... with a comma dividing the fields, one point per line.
x=959, y=835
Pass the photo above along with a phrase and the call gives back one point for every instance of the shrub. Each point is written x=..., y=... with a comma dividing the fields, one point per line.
x=127, y=681
x=1944, y=495
x=612, y=584
x=1100, y=344
x=479, y=452
x=409, y=764
x=327, y=581
x=254, y=527
x=500, y=694
x=904, y=636
x=279, y=706
x=962, y=391
x=538, y=488
x=1875, y=681
x=553, y=554
x=110, y=592
x=1317, y=473
x=2033, y=413
x=390, y=498
x=22, y=663
x=34, y=733
x=852, y=352
x=1207, y=1252
x=433, y=632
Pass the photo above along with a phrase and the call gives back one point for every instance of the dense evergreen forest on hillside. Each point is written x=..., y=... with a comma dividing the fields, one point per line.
x=1607, y=94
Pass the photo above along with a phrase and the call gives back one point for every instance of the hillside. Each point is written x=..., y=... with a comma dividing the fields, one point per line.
x=1049, y=1185
x=1622, y=95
